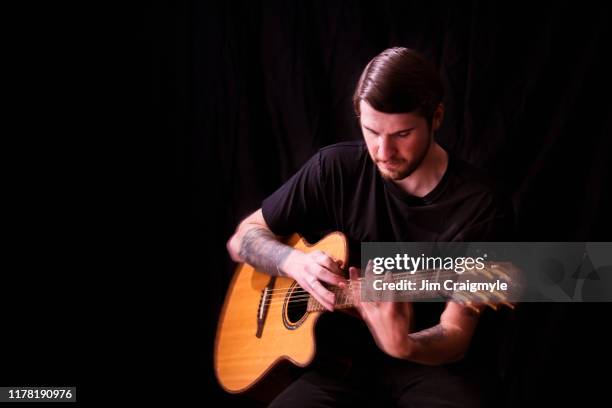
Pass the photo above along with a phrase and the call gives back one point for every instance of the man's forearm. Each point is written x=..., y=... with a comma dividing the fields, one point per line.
x=435, y=345
x=445, y=342
x=260, y=248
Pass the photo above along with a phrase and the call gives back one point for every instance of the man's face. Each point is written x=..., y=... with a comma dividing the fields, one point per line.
x=397, y=142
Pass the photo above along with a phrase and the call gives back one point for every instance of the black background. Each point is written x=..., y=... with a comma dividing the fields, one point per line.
x=132, y=154
x=250, y=91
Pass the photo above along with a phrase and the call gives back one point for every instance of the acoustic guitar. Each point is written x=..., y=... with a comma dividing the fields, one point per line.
x=267, y=319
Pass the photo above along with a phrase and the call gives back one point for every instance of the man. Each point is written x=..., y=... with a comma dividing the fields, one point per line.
x=400, y=185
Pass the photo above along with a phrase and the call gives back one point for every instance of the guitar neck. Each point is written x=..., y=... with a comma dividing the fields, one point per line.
x=345, y=298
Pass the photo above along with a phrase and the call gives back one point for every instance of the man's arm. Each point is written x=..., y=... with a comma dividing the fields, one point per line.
x=390, y=323
x=254, y=243
x=443, y=343
x=446, y=342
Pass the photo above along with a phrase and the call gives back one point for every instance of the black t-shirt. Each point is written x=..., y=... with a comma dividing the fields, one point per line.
x=341, y=189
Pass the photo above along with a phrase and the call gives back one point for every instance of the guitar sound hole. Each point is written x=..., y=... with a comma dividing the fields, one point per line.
x=296, y=304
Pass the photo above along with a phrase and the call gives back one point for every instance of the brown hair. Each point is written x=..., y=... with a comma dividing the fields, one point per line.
x=400, y=80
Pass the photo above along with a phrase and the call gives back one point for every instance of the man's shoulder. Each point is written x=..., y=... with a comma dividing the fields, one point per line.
x=487, y=208
x=344, y=156
x=343, y=149
x=480, y=184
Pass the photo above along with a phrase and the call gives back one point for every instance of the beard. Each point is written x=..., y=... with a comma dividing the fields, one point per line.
x=398, y=169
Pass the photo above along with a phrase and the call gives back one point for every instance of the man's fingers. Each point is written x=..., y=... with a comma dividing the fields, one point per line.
x=329, y=277
x=324, y=296
x=355, y=289
x=308, y=287
x=354, y=273
x=354, y=282
x=327, y=262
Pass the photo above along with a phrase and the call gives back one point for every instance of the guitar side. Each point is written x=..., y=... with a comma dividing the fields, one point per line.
x=244, y=352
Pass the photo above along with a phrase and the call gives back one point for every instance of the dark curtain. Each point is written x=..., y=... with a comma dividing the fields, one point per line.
x=244, y=93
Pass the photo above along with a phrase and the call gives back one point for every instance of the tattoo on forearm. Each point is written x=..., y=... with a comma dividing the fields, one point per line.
x=261, y=249
x=430, y=335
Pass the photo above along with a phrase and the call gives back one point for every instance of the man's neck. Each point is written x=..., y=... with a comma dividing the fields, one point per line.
x=427, y=176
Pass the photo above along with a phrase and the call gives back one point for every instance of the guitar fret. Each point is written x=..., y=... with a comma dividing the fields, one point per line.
x=344, y=296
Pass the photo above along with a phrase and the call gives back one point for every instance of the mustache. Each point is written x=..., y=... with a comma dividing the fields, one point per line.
x=392, y=161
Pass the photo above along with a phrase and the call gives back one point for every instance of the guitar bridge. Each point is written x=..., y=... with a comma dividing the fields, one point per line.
x=264, y=305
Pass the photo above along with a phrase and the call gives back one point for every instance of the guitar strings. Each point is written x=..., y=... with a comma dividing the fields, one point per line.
x=304, y=296
x=280, y=291
x=442, y=274
x=300, y=303
x=298, y=292
x=300, y=295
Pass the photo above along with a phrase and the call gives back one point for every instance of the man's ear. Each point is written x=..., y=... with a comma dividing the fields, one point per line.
x=438, y=117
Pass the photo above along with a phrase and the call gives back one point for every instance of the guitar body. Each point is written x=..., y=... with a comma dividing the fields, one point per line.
x=252, y=338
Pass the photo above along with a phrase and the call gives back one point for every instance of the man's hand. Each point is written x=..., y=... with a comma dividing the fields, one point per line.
x=254, y=243
x=391, y=326
x=389, y=322
x=310, y=269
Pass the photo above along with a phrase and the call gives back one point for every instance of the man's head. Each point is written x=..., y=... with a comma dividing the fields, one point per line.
x=398, y=100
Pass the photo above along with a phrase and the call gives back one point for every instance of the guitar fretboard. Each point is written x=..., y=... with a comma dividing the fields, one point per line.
x=345, y=296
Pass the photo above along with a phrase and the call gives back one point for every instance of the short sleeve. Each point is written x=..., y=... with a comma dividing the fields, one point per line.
x=298, y=205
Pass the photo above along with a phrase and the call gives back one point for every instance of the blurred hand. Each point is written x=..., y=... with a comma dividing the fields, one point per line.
x=389, y=322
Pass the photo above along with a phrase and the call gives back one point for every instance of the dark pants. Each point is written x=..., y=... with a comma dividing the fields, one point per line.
x=390, y=382
x=365, y=376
